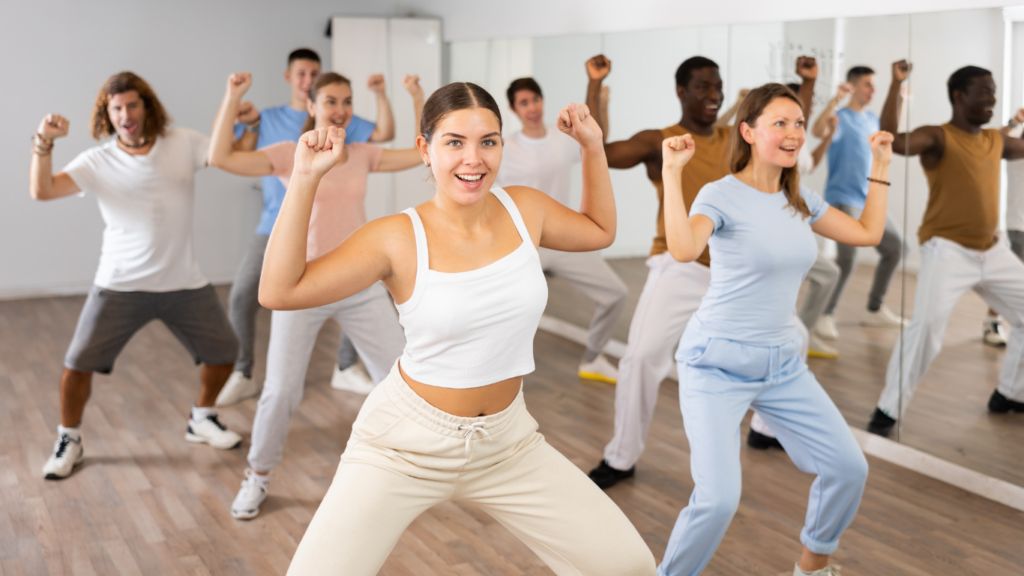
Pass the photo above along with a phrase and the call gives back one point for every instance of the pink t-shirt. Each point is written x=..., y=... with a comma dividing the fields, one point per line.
x=339, y=206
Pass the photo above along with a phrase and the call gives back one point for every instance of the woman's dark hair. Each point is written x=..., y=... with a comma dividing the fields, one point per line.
x=522, y=84
x=322, y=80
x=157, y=119
x=740, y=150
x=448, y=99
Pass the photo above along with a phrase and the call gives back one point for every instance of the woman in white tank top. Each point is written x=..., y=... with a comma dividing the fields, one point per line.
x=449, y=422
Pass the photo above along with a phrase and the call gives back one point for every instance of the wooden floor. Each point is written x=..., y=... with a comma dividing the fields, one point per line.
x=947, y=416
x=147, y=502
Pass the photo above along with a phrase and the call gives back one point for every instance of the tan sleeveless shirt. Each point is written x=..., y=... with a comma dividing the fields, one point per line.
x=709, y=163
x=963, y=190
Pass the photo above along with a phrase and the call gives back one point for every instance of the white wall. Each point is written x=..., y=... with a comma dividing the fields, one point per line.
x=56, y=56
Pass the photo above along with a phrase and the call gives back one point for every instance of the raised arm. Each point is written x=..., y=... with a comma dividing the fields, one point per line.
x=1013, y=148
x=807, y=70
x=43, y=184
x=561, y=228
x=686, y=236
x=288, y=282
x=726, y=117
x=605, y=124
x=867, y=231
x=385, y=129
x=598, y=69
x=821, y=125
x=819, y=152
x=923, y=140
x=249, y=115
x=397, y=160
x=1014, y=122
x=223, y=154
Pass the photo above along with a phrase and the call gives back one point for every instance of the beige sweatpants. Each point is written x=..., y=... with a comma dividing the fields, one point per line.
x=405, y=456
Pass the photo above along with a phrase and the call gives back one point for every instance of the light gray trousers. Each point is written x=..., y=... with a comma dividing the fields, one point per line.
x=370, y=319
x=590, y=274
x=244, y=304
x=822, y=279
x=890, y=249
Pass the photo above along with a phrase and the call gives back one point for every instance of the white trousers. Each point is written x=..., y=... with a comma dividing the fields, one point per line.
x=671, y=295
x=371, y=322
x=948, y=270
x=589, y=273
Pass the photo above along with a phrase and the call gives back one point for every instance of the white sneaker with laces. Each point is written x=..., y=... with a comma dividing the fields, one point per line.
x=211, y=431
x=253, y=492
x=882, y=318
x=236, y=389
x=831, y=570
x=352, y=379
x=600, y=369
x=826, y=327
x=816, y=348
x=993, y=332
x=67, y=453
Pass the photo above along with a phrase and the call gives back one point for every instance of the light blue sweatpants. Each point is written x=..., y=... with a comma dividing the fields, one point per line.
x=719, y=380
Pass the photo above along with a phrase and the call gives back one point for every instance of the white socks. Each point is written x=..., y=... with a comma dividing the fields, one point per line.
x=264, y=478
x=200, y=414
x=73, y=433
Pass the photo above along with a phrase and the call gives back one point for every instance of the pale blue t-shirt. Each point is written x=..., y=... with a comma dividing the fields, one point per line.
x=284, y=124
x=849, y=159
x=760, y=253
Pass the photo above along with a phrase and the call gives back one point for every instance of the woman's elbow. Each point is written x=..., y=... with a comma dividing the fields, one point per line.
x=680, y=255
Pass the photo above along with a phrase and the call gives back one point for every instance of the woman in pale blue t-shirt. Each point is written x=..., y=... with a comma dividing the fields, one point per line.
x=742, y=348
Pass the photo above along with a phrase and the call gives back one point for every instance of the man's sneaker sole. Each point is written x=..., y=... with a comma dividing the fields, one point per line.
x=597, y=377
x=245, y=514
x=819, y=354
x=79, y=460
x=197, y=439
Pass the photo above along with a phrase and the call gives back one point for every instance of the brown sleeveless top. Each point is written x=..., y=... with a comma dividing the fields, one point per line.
x=963, y=190
x=708, y=164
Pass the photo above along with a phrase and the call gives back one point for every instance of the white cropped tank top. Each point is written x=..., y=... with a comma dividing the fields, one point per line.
x=471, y=329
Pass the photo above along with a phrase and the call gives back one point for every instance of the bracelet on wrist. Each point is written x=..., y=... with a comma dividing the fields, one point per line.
x=40, y=142
x=254, y=126
x=877, y=181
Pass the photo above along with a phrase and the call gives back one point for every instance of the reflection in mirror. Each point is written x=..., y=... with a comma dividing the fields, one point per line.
x=962, y=353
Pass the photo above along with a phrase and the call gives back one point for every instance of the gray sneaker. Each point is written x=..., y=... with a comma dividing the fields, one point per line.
x=67, y=453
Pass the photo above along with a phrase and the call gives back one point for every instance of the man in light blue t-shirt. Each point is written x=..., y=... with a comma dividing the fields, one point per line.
x=258, y=129
x=849, y=165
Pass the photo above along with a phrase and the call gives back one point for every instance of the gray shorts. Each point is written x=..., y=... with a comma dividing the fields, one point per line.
x=110, y=318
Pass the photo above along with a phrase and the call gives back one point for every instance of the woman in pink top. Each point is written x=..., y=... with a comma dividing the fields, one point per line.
x=368, y=317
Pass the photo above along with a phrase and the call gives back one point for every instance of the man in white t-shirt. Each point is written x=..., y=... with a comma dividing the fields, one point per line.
x=144, y=180
x=541, y=157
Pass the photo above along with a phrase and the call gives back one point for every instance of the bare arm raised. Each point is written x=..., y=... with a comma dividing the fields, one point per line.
x=43, y=183
x=686, y=236
x=867, y=231
x=821, y=125
x=223, y=153
x=926, y=140
x=397, y=160
x=385, y=129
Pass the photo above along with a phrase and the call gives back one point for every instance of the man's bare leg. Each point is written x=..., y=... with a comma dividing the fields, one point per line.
x=75, y=387
x=213, y=377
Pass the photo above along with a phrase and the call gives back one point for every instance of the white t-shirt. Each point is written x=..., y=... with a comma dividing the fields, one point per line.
x=1015, y=188
x=146, y=204
x=541, y=163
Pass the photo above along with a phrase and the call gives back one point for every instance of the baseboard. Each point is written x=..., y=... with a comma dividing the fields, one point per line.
x=901, y=455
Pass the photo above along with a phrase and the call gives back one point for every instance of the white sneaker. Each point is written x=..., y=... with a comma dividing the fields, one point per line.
x=883, y=318
x=826, y=327
x=352, y=379
x=67, y=453
x=993, y=332
x=817, y=348
x=236, y=389
x=253, y=492
x=826, y=571
x=599, y=369
x=211, y=431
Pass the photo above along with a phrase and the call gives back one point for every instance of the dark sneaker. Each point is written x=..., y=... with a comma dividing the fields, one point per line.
x=605, y=476
x=1001, y=404
x=760, y=441
x=880, y=423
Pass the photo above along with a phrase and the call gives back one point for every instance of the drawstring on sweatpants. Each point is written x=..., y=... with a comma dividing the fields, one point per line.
x=474, y=427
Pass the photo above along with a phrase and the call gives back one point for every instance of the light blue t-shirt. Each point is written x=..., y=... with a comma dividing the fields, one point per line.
x=849, y=158
x=284, y=124
x=760, y=253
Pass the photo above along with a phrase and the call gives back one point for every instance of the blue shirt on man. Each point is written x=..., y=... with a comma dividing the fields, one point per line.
x=284, y=124
x=849, y=159
x=760, y=253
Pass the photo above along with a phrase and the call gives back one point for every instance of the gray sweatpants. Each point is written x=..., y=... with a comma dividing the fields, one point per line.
x=590, y=274
x=244, y=303
x=1016, y=242
x=372, y=321
x=890, y=249
x=822, y=278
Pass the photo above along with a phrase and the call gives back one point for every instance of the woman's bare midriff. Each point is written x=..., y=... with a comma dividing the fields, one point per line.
x=468, y=402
